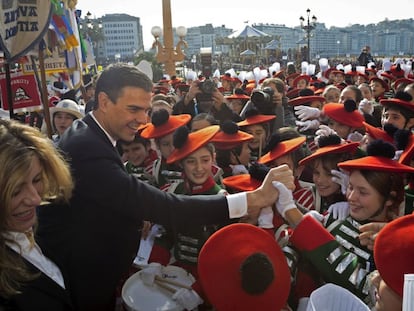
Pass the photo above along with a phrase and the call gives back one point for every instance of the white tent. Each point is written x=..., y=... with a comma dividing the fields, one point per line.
x=247, y=53
x=248, y=32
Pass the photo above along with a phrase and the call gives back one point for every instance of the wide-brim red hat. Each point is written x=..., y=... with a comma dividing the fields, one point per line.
x=227, y=141
x=173, y=122
x=365, y=76
x=195, y=140
x=300, y=100
x=237, y=96
x=256, y=119
x=292, y=93
x=160, y=89
x=397, y=102
x=242, y=182
x=301, y=77
x=388, y=76
x=408, y=153
x=337, y=112
x=327, y=72
x=282, y=148
x=376, y=163
x=241, y=267
x=226, y=77
x=378, y=133
x=292, y=76
x=341, y=148
x=394, y=252
x=402, y=80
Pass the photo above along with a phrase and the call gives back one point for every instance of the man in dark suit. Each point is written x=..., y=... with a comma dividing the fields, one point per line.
x=98, y=235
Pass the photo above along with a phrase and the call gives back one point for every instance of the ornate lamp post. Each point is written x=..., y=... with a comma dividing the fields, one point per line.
x=167, y=53
x=92, y=32
x=308, y=27
x=337, y=51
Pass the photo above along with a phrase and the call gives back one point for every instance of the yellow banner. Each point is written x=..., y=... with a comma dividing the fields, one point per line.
x=52, y=65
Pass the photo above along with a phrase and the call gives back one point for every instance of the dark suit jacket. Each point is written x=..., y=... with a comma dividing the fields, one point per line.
x=97, y=236
x=42, y=293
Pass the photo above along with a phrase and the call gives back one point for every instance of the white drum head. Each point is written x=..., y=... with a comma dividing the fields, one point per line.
x=138, y=296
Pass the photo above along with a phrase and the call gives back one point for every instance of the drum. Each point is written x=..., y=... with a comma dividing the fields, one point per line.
x=138, y=296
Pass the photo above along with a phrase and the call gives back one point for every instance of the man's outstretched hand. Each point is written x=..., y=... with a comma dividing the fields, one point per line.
x=267, y=194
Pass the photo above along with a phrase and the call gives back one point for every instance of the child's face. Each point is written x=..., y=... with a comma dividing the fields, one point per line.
x=322, y=179
x=197, y=166
x=259, y=136
x=394, y=117
x=165, y=145
x=135, y=153
x=341, y=129
x=364, y=200
x=377, y=89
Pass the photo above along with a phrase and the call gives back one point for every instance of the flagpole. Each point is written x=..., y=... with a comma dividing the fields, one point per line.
x=9, y=90
x=45, y=100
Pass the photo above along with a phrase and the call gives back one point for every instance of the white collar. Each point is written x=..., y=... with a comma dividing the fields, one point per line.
x=20, y=239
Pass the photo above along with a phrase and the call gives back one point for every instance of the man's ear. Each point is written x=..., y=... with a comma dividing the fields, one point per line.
x=103, y=101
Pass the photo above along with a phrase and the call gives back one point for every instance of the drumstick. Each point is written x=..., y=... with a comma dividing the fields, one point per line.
x=165, y=286
x=172, y=282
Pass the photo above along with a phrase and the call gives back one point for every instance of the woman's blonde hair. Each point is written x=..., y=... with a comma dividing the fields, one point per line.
x=19, y=144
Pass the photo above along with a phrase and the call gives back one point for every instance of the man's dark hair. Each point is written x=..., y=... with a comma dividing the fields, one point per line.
x=117, y=76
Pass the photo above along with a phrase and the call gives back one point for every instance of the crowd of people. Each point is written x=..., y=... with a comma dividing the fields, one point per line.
x=271, y=190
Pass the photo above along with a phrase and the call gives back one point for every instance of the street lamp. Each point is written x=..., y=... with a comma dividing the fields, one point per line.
x=91, y=30
x=337, y=51
x=167, y=53
x=308, y=27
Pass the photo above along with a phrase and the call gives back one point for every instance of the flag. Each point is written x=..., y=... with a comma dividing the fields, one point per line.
x=22, y=25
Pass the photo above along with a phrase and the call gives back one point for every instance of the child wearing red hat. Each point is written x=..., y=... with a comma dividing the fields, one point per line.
x=375, y=191
x=161, y=130
x=398, y=111
x=393, y=253
x=257, y=125
x=195, y=154
x=379, y=89
x=232, y=149
x=139, y=157
x=242, y=268
x=237, y=100
x=288, y=146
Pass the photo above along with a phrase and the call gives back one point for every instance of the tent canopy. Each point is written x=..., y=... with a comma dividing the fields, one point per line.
x=248, y=32
x=247, y=53
x=272, y=45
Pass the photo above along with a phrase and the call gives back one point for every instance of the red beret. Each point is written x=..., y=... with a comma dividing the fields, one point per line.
x=195, y=140
x=394, y=252
x=241, y=267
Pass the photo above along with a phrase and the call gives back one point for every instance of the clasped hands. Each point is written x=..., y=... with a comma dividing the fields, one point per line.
x=267, y=194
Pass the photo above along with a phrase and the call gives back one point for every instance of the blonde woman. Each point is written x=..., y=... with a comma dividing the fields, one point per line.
x=33, y=172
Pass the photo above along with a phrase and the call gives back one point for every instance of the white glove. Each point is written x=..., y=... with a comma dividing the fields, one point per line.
x=325, y=130
x=397, y=155
x=316, y=215
x=355, y=137
x=307, y=125
x=187, y=298
x=285, y=200
x=339, y=210
x=266, y=218
x=238, y=169
x=149, y=272
x=365, y=106
x=307, y=113
x=341, y=178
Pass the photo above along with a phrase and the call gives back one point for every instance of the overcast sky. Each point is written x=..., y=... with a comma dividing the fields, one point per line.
x=233, y=14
